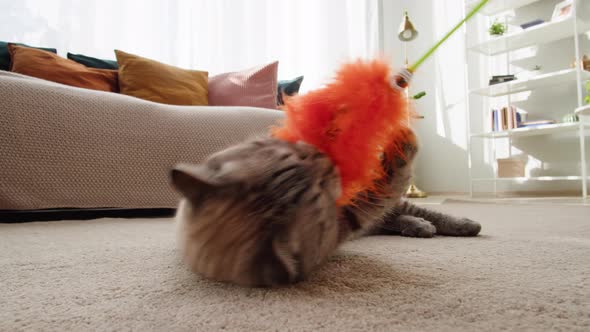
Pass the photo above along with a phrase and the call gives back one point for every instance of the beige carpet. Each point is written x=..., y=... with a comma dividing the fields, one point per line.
x=530, y=270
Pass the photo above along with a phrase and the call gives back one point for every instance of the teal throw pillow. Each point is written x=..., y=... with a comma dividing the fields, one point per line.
x=93, y=62
x=288, y=88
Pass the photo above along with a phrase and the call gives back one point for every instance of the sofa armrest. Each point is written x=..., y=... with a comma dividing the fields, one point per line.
x=64, y=147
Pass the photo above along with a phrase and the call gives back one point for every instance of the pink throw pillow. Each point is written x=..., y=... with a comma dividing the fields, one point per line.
x=255, y=87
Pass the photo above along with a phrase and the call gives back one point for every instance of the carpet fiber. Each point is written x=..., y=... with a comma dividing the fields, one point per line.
x=529, y=270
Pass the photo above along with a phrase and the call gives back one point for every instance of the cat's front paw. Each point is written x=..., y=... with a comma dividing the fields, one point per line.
x=418, y=228
x=468, y=227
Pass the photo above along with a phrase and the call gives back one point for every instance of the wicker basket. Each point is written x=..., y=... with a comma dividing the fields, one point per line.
x=511, y=168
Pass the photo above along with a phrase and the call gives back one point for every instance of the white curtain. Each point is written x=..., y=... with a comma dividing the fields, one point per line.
x=307, y=37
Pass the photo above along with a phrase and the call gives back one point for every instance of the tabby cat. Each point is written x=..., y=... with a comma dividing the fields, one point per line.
x=263, y=213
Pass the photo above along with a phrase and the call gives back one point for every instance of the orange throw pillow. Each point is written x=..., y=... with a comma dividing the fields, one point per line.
x=152, y=80
x=52, y=67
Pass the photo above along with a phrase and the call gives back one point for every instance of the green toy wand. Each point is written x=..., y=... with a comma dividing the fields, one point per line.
x=402, y=79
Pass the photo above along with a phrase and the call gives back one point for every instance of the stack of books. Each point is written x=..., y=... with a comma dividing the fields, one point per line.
x=511, y=118
x=497, y=79
x=505, y=119
x=536, y=123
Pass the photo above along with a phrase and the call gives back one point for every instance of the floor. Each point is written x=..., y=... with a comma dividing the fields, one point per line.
x=529, y=270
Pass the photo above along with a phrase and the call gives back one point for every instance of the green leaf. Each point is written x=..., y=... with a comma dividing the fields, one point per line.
x=419, y=95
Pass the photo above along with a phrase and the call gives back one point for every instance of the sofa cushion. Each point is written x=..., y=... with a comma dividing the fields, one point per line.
x=255, y=87
x=93, y=62
x=5, y=54
x=288, y=88
x=52, y=67
x=62, y=147
x=152, y=80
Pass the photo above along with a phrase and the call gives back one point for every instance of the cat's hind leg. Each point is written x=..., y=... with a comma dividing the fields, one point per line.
x=445, y=224
x=405, y=225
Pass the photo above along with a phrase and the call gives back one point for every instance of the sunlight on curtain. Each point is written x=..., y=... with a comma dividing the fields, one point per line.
x=451, y=68
x=308, y=37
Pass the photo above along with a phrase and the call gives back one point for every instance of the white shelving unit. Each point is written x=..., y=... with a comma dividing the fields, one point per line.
x=529, y=179
x=566, y=76
x=571, y=27
x=583, y=111
x=557, y=128
x=499, y=6
x=540, y=34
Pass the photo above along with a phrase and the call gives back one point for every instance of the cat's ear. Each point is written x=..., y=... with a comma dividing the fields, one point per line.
x=192, y=181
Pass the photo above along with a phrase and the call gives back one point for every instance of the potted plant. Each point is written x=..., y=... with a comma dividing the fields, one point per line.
x=498, y=29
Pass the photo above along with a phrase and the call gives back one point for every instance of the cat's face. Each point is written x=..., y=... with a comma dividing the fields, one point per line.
x=261, y=213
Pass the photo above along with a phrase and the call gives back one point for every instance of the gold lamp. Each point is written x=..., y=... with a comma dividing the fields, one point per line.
x=407, y=32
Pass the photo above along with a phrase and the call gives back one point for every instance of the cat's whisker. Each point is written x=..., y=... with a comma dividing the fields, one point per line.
x=366, y=213
x=369, y=203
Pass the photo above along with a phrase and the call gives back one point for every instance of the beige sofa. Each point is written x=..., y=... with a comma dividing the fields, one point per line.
x=64, y=147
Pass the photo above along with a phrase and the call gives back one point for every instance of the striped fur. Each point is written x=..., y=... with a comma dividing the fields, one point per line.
x=263, y=213
x=260, y=213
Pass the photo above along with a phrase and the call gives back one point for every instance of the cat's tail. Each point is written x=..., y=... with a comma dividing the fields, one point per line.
x=445, y=224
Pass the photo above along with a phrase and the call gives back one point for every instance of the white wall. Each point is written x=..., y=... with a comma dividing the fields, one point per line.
x=442, y=165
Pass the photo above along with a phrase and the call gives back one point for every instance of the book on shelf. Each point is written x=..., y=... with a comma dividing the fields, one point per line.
x=506, y=118
x=530, y=124
x=498, y=79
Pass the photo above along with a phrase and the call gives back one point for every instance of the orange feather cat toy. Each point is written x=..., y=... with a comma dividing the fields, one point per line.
x=352, y=120
x=357, y=117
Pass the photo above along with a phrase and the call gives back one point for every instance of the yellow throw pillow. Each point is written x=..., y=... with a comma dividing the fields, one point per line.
x=152, y=80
